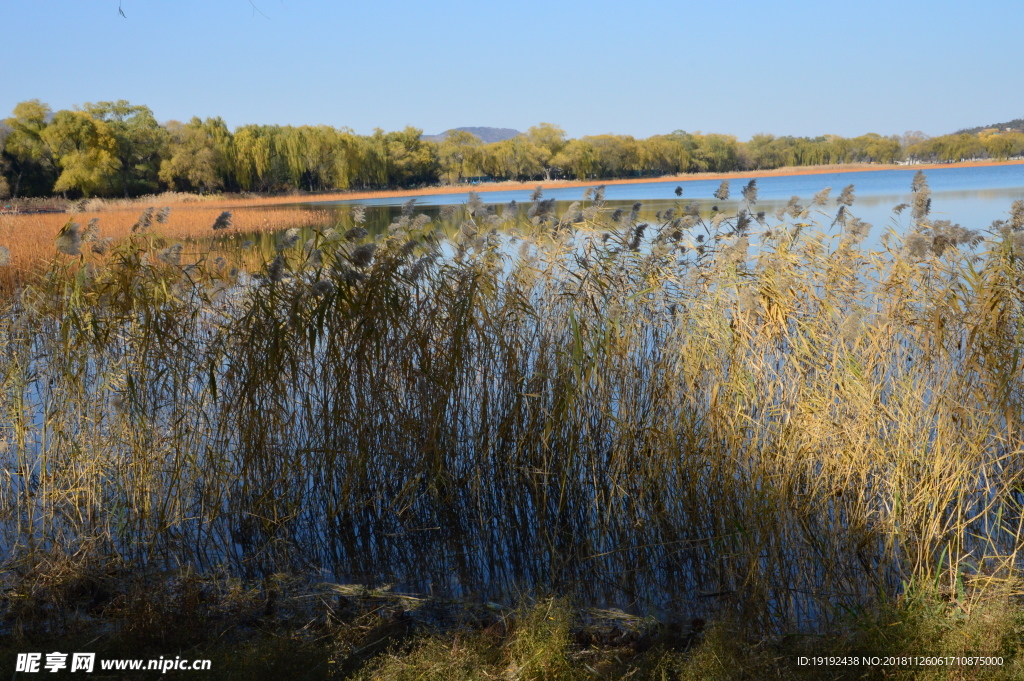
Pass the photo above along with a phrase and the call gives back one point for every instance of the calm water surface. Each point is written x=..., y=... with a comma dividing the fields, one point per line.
x=972, y=197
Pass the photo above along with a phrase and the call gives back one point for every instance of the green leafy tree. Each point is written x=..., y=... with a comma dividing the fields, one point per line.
x=949, y=148
x=615, y=155
x=872, y=147
x=370, y=160
x=196, y=162
x=317, y=157
x=29, y=164
x=258, y=161
x=577, y=159
x=140, y=144
x=663, y=155
x=346, y=159
x=513, y=159
x=766, y=151
x=459, y=155
x=964, y=147
x=85, y=150
x=1004, y=145
x=224, y=144
x=549, y=140
x=5, y=187
x=410, y=159
x=811, y=151
x=716, y=153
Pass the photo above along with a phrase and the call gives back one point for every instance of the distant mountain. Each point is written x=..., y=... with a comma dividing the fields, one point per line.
x=487, y=135
x=1016, y=124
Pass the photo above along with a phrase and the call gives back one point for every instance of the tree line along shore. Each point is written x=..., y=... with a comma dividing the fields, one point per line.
x=118, y=149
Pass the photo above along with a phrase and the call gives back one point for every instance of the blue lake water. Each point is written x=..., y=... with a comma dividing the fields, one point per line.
x=871, y=183
x=972, y=197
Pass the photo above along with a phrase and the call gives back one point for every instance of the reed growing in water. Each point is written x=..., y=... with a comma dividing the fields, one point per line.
x=656, y=416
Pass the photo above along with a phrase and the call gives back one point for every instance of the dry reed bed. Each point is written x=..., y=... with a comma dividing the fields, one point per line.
x=638, y=415
x=30, y=237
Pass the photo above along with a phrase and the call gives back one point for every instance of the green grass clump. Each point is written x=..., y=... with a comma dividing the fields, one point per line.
x=538, y=649
x=543, y=641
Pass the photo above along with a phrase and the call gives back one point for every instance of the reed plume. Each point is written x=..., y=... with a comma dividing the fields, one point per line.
x=223, y=220
x=69, y=240
x=749, y=192
x=722, y=193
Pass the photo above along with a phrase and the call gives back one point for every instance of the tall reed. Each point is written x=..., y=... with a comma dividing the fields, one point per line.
x=655, y=416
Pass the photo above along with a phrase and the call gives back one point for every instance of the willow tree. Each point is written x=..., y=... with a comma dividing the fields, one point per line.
x=411, y=160
x=5, y=187
x=765, y=151
x=513, y=159
x=312, y=157
x=1003, y=145
x=951, y=148
x=614, y=155
x=140, y=143
x=196, y=162
x=577, y=159
x=662, y=155
x=875, y=148
x=549, y=139
x=27, y=157
x=459, y=155
x=257, y=160
x=716, y=153
x=85, y=151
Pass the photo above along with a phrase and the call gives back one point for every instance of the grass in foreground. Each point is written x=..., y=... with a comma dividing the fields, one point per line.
x=288, y=628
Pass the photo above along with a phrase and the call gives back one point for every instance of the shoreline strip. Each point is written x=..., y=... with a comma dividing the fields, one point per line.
x=489, y=187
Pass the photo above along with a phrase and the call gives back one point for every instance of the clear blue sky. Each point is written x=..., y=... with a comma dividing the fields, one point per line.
x=635, y=67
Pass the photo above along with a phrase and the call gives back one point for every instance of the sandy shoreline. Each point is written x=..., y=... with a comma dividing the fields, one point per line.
x=484, y=188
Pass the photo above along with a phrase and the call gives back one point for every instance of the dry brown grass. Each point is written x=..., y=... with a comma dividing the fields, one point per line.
x=30, y=237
